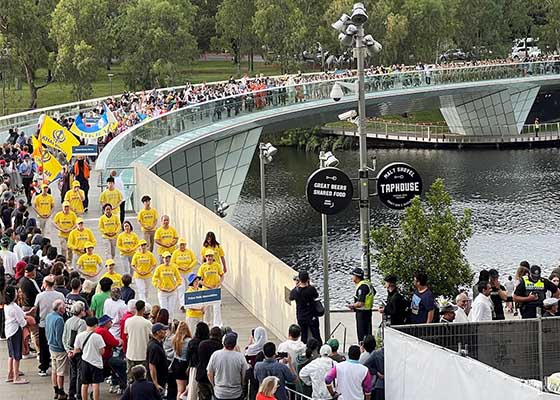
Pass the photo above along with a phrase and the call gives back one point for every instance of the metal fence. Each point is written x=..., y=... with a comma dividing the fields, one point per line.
x=527, y=349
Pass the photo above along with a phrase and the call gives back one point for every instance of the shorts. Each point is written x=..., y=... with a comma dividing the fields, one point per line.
x=14, y=345
x=59, y=363
x=90, y=374
x=180, y=368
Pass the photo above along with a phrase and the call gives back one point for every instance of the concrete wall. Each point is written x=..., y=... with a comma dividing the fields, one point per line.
x=257, y=278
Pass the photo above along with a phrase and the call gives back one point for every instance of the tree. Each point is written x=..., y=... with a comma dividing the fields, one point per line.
x=551, y=29
x=81, y=31
x=429, y=238
x=281, y=27
x=24, y=28
x=234, y=24
x=158, y=37
x=395, y=39
x=205, y=22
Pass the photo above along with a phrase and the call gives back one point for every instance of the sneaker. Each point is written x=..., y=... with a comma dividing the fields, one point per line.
x=43, y=373
x=29, y=356
x=3, y=339
x=120, y=391
x=113, y=389
x=108, y=381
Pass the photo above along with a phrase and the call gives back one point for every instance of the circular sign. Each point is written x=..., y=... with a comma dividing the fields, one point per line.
x=397, y=184
x=329, y=190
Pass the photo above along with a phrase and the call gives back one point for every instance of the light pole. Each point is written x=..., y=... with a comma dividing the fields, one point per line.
x=111, y=83
x=351, y=30
x=266, y=151
x=326, y=160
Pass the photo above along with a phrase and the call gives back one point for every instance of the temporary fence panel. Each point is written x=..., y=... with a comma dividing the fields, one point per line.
x=417, y=369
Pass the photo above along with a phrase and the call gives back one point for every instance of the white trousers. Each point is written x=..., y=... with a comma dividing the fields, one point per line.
x=182, y=289
x=213, y=315
x=111, y=245
x=168, y=300
x=126, y=267
x=142, y=288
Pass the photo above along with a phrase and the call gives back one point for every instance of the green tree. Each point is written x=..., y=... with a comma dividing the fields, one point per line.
x=395, y=39
x=281, y=27
x=24, y=30
x=204, y=27
x=551, y=29
x=429, y=238
x=81, y=31
x=158, y=39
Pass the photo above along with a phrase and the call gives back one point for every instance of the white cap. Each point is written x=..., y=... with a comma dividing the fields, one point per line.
x=550, y=302
x=325, y=350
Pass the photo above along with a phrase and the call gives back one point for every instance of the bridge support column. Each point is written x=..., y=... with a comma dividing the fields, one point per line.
x=494, y=114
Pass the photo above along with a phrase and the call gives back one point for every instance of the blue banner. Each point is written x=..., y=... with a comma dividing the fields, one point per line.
x=86, y=150
x=203, y=297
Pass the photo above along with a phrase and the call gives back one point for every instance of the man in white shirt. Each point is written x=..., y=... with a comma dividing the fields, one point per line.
x=21, y=248
x=138, y=330
x=115, y=308
x=482, y=306
x=91, y=346
x=293, y=346
x=9, y=259
x=460, y=315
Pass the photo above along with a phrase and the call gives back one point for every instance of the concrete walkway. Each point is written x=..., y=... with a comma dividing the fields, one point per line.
x=233, y=313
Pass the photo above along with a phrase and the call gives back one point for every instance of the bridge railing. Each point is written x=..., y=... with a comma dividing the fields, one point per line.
x=151, y=133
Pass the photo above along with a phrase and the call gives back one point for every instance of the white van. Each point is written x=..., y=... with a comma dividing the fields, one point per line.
x=525, y=48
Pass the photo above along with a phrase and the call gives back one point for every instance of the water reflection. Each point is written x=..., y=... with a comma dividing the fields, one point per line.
x=514, y=196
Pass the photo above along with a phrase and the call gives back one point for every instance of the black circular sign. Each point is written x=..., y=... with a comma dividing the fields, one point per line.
x=397, y=184
x=329, y=190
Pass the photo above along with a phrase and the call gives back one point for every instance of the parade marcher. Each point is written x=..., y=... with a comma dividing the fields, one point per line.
x=185, y=260
x=43, y=204
x=531, y=293
x=363, y=303
x=143, y=264
x=64, y=221
x=119, y=185
x=77, y=240
x=127, y=243
x=394, y=310
x=167, y=280
x=112, y=196
x=109, y=226
x=76, y=197
x=211, y=243
x=212, y=276
x=194, y=314
x=148, y=218
x=81, y=173
x=111, y=274
x=89, y=265
x=166, y=237
x=550, y=307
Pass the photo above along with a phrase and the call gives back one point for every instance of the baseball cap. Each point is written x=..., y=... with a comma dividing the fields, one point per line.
x=44, y=185
x=209, y=252
x=358, y=272
x=65, y=204
x=333, y=344
x=166, y=254
x=30, y=268
x=109, y=262
x=75, y=183
x=87, y=245
x=550, y=302
x=325, y=350
x=79, y=221
x=182, y=241
x=141, y=242
x=5, y=241
x=158, y=326
x=535, y=270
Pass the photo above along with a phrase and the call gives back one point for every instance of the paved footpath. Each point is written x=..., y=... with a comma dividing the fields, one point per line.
x=234, y=314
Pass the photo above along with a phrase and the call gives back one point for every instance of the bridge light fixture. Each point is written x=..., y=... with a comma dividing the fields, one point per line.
x=220, y=208
x=359, y=14
x=340, y=25
x=329, y=160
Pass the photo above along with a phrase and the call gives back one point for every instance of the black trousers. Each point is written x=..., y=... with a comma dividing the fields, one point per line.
x=363, y=323
x=44, y=353
x=313, y=326
x=2, y=324
x=27, y=181
x=122, y=211
x=84, y=185
x=379, y=394
x=74, y=390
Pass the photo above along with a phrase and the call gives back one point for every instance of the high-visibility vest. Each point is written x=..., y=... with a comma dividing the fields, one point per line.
x=368, y=304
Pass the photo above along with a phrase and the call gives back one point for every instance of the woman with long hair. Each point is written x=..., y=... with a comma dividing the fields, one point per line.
x=210, y=242
x=268, y=388
x=202, y=332
x=127, y=243
x=181, y=361
x=522, y=271
x=15, y=321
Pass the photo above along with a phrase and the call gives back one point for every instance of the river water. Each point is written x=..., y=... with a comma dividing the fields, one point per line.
x=514, y=196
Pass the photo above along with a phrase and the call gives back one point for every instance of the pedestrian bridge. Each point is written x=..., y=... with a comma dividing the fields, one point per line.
x=205, y=149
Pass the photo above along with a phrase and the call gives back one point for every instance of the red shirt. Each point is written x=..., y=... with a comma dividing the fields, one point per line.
x=261, y=396
x=124, y=336
x=110, y=342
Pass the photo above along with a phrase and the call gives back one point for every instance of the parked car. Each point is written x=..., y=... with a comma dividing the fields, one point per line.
x=453, y=55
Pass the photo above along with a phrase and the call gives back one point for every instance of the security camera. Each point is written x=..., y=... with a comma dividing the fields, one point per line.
x=348, y=115
x=336, y=92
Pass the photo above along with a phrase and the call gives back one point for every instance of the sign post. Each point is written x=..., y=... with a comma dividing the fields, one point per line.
x=329, y=191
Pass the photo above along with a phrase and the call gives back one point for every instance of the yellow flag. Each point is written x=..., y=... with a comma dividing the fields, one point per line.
x=58, y=137
x=50, y=165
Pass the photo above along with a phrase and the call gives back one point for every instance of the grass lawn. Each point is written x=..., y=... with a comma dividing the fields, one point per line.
x=59, y=93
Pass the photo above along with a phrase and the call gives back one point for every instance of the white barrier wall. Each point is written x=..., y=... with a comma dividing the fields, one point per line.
x=255, y=277
x=416, y=369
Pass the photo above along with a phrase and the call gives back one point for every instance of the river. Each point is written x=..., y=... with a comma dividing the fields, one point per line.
x=514, y=196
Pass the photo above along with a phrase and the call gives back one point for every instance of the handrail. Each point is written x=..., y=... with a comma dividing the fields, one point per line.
x=344, y=334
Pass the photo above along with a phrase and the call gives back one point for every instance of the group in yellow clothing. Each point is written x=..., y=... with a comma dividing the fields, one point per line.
x=75, y=198
x=212, y=273
x=127, y=243
x=64, y=221
x=112, y=274
x=78, y=238
x=143, y=264
x=167, y=280
x=166, y=237
x=43, y=204
x=111, y=195
x=109, y=226
x=89, y=264
x=148, y=218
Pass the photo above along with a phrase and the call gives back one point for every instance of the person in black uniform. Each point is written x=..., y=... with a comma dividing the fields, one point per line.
x=394, y=312
x=363, y=303
x=305, y=295
x=531, y=293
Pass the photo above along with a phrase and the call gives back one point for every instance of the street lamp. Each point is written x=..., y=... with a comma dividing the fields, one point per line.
x=351, y=28
x=326, y=160
x=111, y=83
x=266, y=151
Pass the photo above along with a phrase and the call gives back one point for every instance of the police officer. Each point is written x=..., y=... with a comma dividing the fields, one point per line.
x=531, y=293
x=363, y=303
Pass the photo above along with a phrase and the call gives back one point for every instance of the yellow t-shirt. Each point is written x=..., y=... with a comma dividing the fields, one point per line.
x=127, y=243
x=115, y=277
x=110, y=224
x=219, y=252
x=77, y=240
x=73, y=198
x=113, y=197
x=144, y=262
x=167, y=277
x=191, y=312
x=166, y=236
x=44, y=204
x=185, y=260
x=210, y=274
x=65, y=221
x=89, y=263
x=147, y=218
